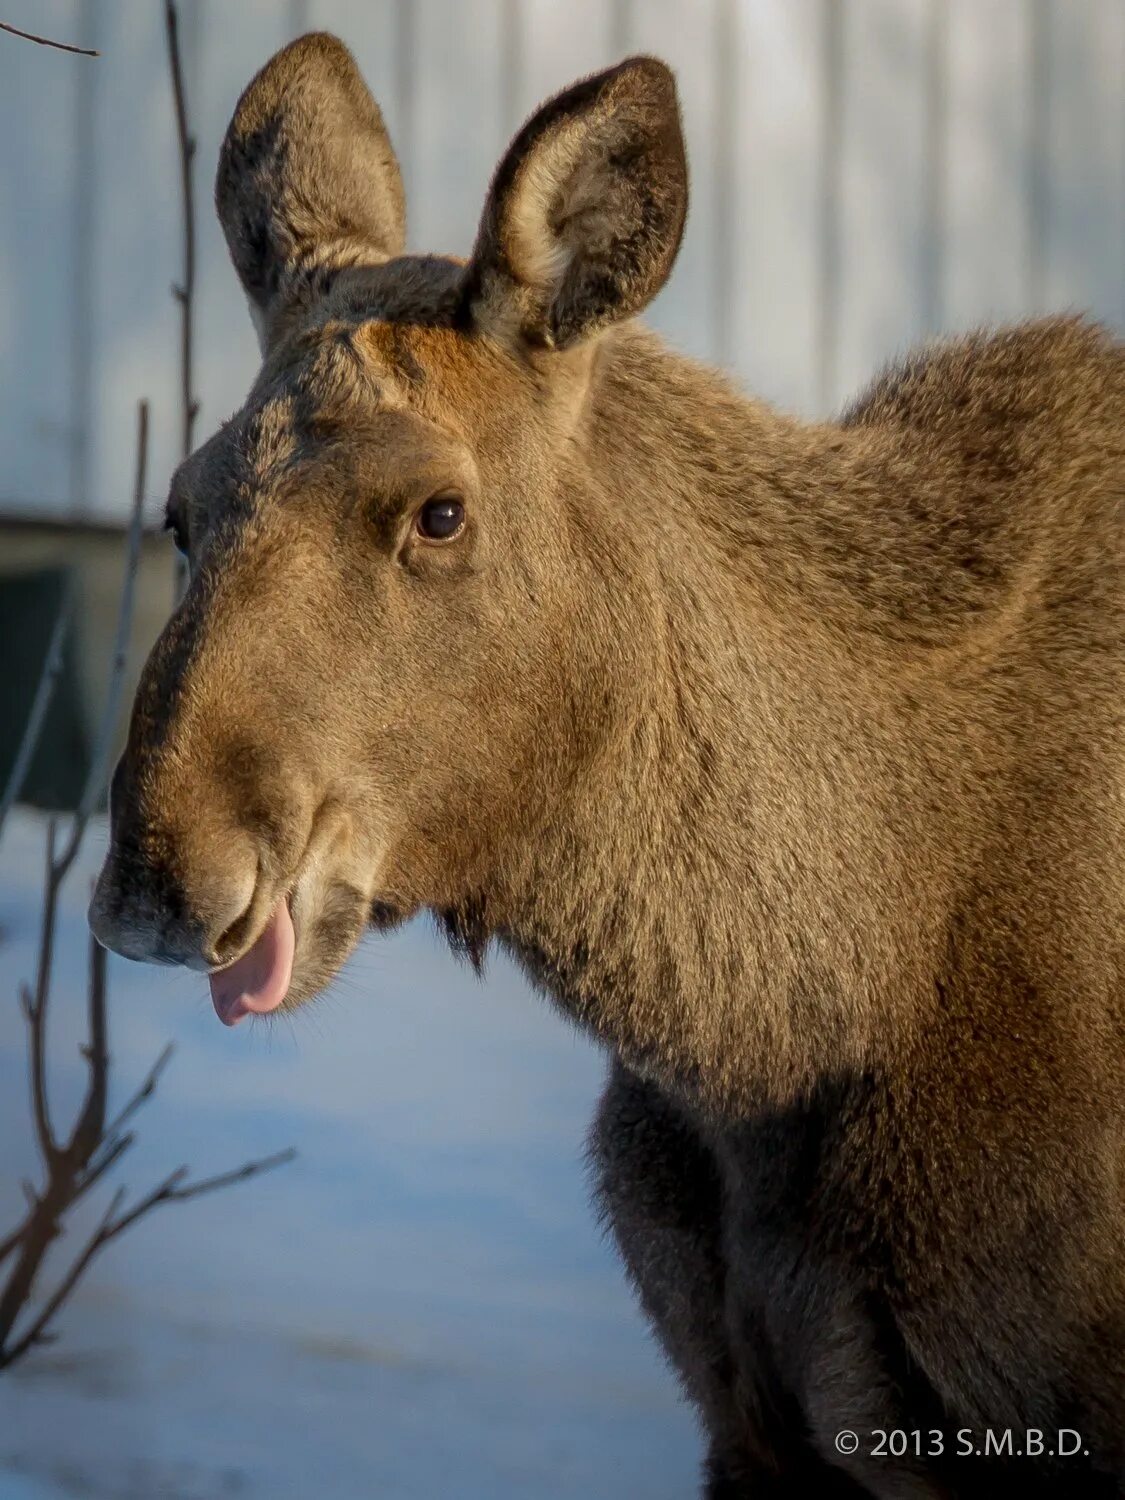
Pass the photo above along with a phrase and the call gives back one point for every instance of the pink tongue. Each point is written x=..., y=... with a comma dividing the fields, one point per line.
x=258, y=981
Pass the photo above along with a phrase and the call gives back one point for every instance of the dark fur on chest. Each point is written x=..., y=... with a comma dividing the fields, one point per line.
x=790, y=1267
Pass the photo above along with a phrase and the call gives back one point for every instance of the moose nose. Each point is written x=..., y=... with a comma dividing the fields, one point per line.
x=144, y=914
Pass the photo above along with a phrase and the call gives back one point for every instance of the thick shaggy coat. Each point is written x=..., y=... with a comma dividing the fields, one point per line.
x=788, y=758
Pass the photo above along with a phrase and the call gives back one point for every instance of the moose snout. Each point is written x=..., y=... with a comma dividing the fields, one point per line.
x=209, y=815
x=189, y=876
x=148, y=909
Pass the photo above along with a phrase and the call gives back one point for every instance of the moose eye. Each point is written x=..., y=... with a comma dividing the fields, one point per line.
x=440, y=519
x=174, y=522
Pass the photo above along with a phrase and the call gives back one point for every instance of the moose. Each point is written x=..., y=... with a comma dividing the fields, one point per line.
x=787, y=758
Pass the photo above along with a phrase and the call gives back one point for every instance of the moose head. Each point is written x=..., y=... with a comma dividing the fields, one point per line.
x=400, y=635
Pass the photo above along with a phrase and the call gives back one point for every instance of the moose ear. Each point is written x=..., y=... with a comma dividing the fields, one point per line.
x=308, y=182
x=586, y=211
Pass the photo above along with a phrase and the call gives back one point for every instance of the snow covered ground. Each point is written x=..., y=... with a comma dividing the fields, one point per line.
x=420, y=1306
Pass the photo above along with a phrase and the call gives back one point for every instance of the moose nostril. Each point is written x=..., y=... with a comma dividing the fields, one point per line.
x=233, y=938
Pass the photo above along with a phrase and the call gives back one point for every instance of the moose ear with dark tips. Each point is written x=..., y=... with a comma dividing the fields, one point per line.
x=308, y=183
x=586, y=211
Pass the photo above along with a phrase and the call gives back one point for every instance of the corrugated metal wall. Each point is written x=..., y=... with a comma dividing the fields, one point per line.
x=864, y=172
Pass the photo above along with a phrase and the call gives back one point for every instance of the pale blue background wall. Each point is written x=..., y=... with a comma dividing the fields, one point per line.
x=863, y=171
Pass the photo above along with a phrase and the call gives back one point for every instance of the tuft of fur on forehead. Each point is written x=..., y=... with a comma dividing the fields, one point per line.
x=381, y=337
x=325, y=349
x=350, y=349
x=422, y=290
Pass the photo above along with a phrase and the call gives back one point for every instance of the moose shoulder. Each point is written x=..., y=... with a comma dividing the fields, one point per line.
x=789, y=759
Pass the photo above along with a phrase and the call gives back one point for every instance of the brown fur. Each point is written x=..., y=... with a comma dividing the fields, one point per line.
x=789, y=759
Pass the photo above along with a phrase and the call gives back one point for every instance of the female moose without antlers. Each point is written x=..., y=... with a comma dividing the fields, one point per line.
x=788, y=759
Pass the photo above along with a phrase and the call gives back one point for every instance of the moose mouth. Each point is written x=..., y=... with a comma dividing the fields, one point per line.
x=293, y=936
x=257, y=982
x=310, y=935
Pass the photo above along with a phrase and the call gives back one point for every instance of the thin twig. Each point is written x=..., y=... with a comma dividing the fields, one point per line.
x=11, y=1352
x=89, y=1128
x=44, y=695
x=113, y=1151
x=93, y=1148
x=45, y=41
x=184, y=293
x=35, y=1007
x=103, y=740
x=173, y=1189
x=143, y=1094
x=67, y=1169
x=238, y=1174
x=176, y=1189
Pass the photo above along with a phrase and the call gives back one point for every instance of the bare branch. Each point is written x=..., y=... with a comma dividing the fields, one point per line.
x=90, y=1125
x=9, y=1244
x=36, y=1008
x=185, y=292
x=103, y=741
x=95, y=1148
x=58, y=867
x=175, y=1188
x=164, y=1192
x=44, y=695
x=143, y=1094
x=45, y=41
x=239, y=1174
x=172, y=1190
x=34, y=1335
x=112, y=1152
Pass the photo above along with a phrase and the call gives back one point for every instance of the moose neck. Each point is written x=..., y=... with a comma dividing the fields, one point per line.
x=715, y=895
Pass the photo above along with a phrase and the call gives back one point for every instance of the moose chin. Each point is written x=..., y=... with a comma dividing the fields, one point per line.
x=788, y=759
